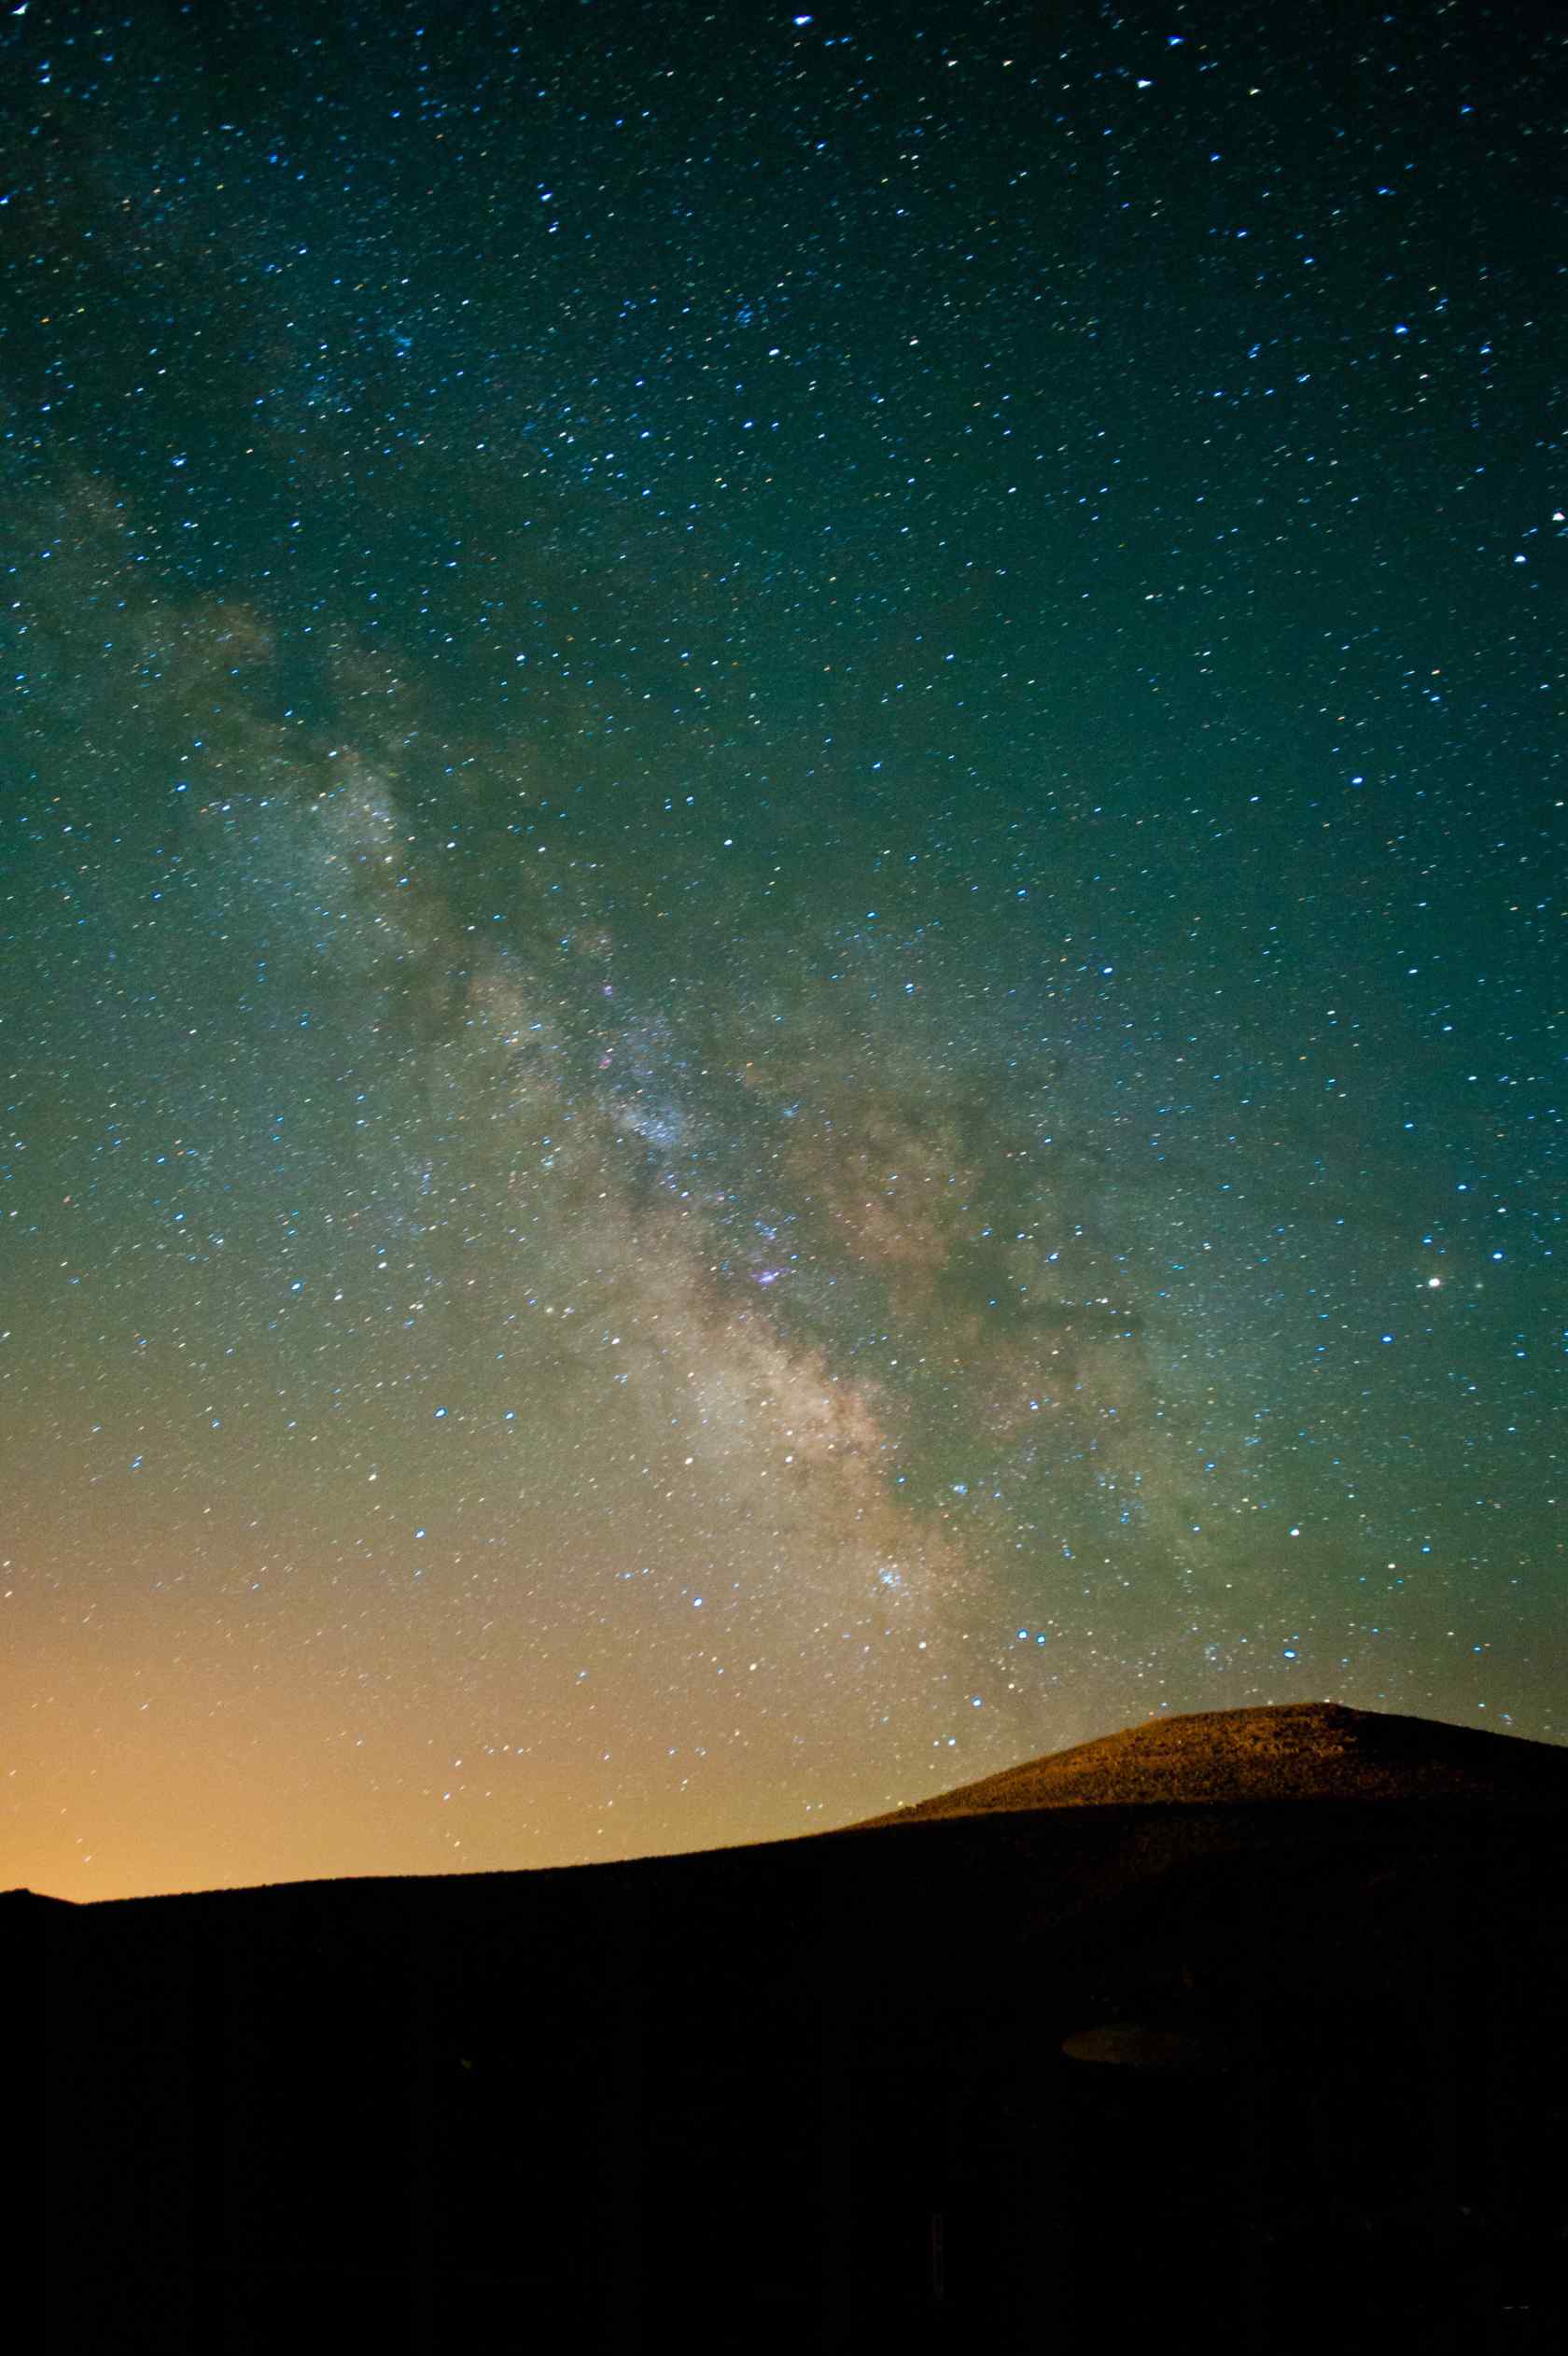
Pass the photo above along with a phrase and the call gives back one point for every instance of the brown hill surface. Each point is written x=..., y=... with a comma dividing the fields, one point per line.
x=1296, y=1750
x=1221, y=2075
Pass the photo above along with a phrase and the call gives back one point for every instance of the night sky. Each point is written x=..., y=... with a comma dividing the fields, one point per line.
x=780, y=887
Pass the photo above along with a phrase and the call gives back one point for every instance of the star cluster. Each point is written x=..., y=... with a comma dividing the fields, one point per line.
x=780, y=856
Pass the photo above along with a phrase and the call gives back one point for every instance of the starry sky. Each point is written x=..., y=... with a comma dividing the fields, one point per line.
x=780, y=892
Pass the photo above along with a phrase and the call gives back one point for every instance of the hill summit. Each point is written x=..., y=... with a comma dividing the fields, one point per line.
x=1292, y=1751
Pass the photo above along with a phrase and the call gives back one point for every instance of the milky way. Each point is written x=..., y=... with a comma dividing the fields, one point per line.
x=781, y=849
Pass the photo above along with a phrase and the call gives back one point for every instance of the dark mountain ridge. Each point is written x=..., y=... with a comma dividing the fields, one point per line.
x=1273, y=1997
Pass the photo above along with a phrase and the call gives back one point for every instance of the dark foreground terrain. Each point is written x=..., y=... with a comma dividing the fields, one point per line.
x=1248, y=2031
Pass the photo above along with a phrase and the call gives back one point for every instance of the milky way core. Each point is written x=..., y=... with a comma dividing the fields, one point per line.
x=780, y=831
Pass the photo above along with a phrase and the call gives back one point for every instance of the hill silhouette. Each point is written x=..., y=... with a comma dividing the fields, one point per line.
x=1268, y=1999
x=1296, y=1750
